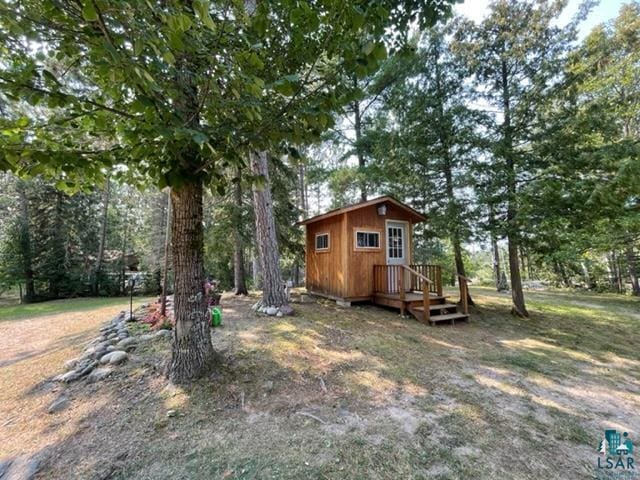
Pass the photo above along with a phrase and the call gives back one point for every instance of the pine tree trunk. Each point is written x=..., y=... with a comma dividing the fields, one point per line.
x=25, y=245
x=238, y=247
x=192, y=352
x=103, y=238
x=302, y=186
x=517, y=295
x=633, y=271
x=167, y=246
x=495, y=254
x=523, y=267
x=273, y=294
x=618, y=271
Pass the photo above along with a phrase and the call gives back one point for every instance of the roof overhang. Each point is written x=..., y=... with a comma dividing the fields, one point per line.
x=416, y=216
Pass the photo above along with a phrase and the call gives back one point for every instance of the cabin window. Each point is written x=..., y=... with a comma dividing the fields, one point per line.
x=322, y=241
x=366, y=239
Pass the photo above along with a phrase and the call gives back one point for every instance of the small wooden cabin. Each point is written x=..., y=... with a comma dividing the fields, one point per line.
x=363, y=252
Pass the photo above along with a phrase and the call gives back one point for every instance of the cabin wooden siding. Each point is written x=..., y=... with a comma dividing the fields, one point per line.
x=360, y=262
x=325, y=270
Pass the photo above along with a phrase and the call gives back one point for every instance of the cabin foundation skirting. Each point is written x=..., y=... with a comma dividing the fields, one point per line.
x=340, y=301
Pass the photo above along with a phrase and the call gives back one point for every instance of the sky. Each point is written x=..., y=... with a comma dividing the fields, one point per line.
x=606, y=10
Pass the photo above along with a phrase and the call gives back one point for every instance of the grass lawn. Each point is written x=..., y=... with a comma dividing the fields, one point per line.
x=54, y=307
x=335, y=393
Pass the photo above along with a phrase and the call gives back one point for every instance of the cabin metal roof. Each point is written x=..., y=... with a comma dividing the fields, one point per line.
x=415, y=215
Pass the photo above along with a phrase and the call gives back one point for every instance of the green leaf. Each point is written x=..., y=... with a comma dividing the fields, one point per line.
x=379, y=52
x=201, y=8
x=89, y=12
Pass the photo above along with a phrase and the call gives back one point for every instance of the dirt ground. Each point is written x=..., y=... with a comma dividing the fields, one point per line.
x=334, y=393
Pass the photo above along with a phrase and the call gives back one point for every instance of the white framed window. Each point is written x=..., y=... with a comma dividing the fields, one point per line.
x=367, y=240
x=322, y=242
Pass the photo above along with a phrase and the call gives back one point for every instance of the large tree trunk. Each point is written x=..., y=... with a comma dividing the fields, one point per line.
x=302, y=187
x=495, y=257
x=517, y=295
x=103, y=238
x=238, y=247
x=167, y=246
x=25, y=245
x=273, y=294
x=192, y=352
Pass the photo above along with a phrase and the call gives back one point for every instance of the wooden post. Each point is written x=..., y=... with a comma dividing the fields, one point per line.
x=439, y=280
x=464, y=297
x=401, y=288
x=426, y=300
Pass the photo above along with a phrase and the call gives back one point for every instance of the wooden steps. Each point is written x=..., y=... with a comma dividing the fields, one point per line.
x=418, y=312
x=440, y=310
x=415, y=289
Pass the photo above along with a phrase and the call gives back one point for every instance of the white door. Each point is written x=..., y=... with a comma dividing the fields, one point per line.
x=397, y=253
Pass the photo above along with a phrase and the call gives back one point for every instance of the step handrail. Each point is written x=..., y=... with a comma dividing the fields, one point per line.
x=464, y=292
x=466, y=279
x=417, y=274
x=426, y=297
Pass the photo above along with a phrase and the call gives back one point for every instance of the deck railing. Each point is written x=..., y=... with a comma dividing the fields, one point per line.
x=407, y=278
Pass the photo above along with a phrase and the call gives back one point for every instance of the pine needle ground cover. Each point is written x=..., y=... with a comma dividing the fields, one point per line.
x=339, y=393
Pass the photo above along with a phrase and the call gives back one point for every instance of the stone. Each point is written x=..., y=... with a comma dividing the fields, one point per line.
x=255, y=306
x=279, y=314
x=129, y=317
x=343, y=303
x=146, y=337
x=112, y=335
x=86, y=368
x=113, y=341
x=118, y=357
x=286, y=310
x=163, y=333
x=4, y=466
x=20, y=468
x=268, y=385
x=171, y=413
x=99, y=374
x=271, y=311
x=69, y=376
x=69, y=364
x=110, y=348
x=125, y=342
x=304, y=298
x=105, y=358
x=59, y=404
